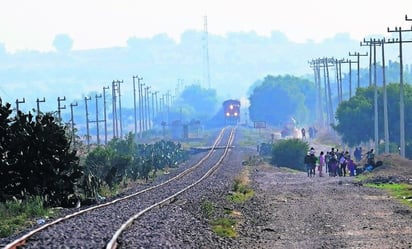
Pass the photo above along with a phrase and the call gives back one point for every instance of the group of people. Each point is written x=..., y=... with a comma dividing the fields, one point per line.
x=312, y=132
x=336, y=163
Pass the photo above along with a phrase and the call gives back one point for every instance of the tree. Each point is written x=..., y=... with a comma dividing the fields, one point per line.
x=356, y=120
x=197, y=102
x=276, y=99
x=37, y=159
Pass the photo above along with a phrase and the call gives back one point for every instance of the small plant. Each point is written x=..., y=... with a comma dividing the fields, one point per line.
x=224, y=227
x=241, y=189
x=207, y=208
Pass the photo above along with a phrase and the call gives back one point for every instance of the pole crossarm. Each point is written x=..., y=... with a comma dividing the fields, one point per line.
x=19, y=102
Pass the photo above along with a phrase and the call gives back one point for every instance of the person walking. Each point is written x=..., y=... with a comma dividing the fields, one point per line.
x=333, y=162
x=307, y=162
x=321, y=163
x=303, y=131
x=313, y=160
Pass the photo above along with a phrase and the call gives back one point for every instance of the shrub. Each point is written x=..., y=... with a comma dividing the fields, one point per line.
x=224, y=227
x=289, y=153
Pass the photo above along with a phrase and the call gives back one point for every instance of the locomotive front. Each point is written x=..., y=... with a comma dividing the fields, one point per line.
x=231, y=109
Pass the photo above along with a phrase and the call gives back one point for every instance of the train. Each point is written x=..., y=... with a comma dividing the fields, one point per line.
x=231, y=111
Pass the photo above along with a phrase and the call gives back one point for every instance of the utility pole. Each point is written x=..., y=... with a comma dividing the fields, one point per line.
x=120, y=108
x=156, y=103
x=399, y=30
x=59, y=107
x=153, y=105
x=134, y=106
x=357, y=54
x=114, y=109
x=206, y=69
x=324, y=63
x=97, y=118
x=105, y=116
x=72, y=121
x=370, y=58
x=338, y=68
x=373, y=43
x=19, y=102
x=87, y=121
x=315, y=65
x=385, y=100
x=141, y=109
x=168, y=105
x=350, y=76
x=147, y=111
x=38, y=104
x=331, y=115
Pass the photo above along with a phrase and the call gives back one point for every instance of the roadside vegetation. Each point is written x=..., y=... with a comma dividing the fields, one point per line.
x=42, y=168
x=224, y=224
x=15, y=214
x=400, y=191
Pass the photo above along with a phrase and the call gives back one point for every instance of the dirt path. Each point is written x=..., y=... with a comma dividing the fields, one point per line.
x=291, y=210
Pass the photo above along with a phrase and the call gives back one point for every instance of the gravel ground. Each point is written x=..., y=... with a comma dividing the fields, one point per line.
x=288, y=210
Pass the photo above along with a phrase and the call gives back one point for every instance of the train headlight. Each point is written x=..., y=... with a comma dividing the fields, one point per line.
x=227, y=114
x=231, y=107
x=235, y=114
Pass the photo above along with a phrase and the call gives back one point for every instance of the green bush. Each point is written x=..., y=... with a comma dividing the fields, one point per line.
x=289, y=153
x=207, y=208
x=224, y=227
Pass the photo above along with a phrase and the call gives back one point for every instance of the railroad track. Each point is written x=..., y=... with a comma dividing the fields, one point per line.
x=100, y=226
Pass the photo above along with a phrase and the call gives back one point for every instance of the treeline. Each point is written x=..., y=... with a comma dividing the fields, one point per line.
x=37, y=159
x=356, y=118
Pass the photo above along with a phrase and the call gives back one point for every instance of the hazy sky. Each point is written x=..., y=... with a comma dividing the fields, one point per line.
x=33, y=24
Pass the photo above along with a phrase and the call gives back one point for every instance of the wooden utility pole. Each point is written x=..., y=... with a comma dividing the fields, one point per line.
x=385, y=100
x=87, y=121
x=141, y=109
x=372, y=43
x=114, y=109
x=104, y=113
x=38, y=104
x=120, y=107
x=97, y=118
x=59, y=107
x=358, y=55
x=315, y=65
x=19, y=102
x=134, y=105
x=72, y=121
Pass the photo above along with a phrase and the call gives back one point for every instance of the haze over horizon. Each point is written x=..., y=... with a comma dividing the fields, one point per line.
x=162, y=42
x=32, y=25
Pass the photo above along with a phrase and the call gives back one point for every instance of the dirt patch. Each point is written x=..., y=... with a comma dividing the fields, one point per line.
x=291, y=210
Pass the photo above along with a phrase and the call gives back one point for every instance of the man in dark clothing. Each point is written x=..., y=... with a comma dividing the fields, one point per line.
x=371, y=157
x=307, y=162
x=313, y=160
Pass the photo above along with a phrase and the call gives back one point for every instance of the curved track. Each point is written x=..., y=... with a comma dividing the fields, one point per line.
x=101, y=225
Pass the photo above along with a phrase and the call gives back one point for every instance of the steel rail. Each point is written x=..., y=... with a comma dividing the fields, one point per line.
x=22, y=239
x=112, y=244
